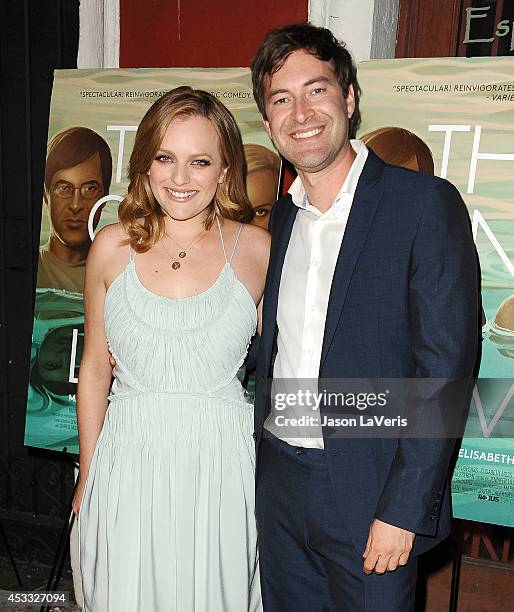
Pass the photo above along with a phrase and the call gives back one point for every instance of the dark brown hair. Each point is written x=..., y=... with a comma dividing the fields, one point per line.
x=73, y=146
x=140, y=213
x=278, y=45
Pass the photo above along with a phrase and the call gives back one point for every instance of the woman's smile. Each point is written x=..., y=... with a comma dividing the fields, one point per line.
x=187, y=167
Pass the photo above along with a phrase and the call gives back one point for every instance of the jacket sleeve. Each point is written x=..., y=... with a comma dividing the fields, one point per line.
x=444, y=300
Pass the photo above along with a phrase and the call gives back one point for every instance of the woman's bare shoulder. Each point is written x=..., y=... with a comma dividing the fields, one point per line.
x=254, y=247
x=253, y=244
x=108, y=255
x=256, y=237
x=109, y=251
x=110, y=239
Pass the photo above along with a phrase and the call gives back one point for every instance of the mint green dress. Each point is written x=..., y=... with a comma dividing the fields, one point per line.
x=167, y=518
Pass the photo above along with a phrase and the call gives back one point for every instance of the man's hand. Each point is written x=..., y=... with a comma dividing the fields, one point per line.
x=387, y=548
x=112, y=361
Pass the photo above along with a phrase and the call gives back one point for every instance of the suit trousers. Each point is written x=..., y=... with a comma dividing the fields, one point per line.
x=307, y=560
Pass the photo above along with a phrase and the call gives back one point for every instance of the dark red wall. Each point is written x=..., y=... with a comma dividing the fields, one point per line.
x=212, y=32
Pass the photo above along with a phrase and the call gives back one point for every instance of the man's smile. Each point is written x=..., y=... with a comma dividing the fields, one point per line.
x=301, y=134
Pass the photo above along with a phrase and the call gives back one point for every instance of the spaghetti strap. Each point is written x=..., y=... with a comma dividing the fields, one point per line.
x=132, y=254
x=222, y=241
x=235, y=243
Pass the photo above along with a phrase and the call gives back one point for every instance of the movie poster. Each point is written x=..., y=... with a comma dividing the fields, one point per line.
x=93, y=119
x=455, y=117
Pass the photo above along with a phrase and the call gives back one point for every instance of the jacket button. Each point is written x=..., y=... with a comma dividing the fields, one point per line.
x=254, y=436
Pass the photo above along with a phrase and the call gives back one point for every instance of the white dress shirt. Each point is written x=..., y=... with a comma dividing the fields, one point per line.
x=304, y=292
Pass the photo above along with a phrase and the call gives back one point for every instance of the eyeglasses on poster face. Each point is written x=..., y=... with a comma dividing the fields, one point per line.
x=65, y=190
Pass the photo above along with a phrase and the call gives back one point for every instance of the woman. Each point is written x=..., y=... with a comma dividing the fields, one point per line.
x=167, y=514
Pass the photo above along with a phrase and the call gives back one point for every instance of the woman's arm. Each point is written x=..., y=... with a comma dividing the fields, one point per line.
x=259, y=316
x=95, y=370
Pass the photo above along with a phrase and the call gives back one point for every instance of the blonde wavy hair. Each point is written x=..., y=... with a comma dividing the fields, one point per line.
x=140, y=213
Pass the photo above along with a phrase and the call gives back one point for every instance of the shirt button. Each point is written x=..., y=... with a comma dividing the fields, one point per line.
x=316, y=263
x=313, y=307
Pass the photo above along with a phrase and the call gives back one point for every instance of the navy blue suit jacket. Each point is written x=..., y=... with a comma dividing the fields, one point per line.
x=404, y=303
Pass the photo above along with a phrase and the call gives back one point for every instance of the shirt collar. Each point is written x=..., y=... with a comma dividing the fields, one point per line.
x=347, y=191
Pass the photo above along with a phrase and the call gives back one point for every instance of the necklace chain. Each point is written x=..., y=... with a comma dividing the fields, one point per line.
x=192, y=242
x=175, y=265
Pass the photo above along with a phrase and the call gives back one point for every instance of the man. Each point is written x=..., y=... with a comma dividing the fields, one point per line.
x=77, y=174
x=372, y=274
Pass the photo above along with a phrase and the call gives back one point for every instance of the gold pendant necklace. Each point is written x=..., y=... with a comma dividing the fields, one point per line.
x=175, y=265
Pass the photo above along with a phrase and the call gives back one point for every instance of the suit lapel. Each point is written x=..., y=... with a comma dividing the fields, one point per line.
x=365, y=202
x=283, y=225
